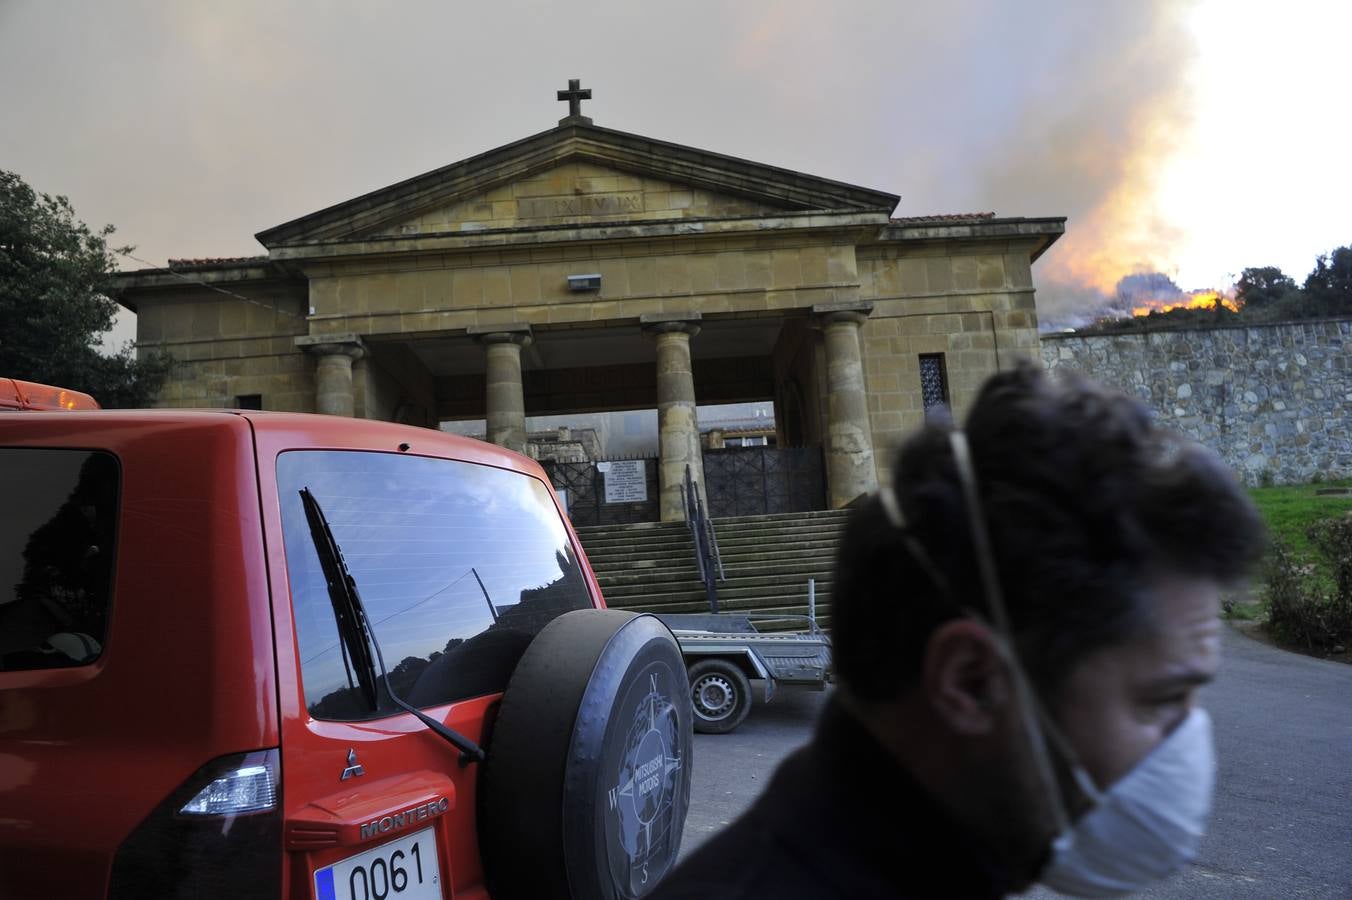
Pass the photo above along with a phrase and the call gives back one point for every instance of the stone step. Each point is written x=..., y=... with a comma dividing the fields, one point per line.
x=647, y=530
x=633, y=528
x=767, y=559
x=699, y=599
x=827, y=514
x=817, y=563
x=820, y=568
x=726, y=542
x=618, y=545
x=787, y=593
x=741, y=549
x=630, y=526
x=777, y=542
x=701, y=604
x=646, y=536
x=730, y=542
x=811, y=557
x=790, y=565
x=838, y=515
x=742, y=555
x=646, y=567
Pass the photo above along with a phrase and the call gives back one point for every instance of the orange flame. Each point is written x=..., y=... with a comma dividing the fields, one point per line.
x=1194, y=300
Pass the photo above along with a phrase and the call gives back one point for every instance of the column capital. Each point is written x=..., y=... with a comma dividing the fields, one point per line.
x=518, y=333
x=342, y=344
x=833, y=313
x=654, y=324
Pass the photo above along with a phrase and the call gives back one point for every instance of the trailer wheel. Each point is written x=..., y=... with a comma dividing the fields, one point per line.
x=721, y=695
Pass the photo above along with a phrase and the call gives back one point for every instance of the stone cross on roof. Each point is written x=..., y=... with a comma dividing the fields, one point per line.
x=575, y=95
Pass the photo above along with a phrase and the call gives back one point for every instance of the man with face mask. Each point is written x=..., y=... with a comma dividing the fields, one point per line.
x=1020, y=627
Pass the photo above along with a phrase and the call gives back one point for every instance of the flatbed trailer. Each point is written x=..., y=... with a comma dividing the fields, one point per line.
x=725, y=652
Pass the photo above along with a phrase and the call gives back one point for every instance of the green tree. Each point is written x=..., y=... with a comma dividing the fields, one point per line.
x=1328, y=288
x=1261, y=287
x=56, y=301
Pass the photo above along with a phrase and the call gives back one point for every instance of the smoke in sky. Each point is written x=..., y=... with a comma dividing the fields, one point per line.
x=193, y=125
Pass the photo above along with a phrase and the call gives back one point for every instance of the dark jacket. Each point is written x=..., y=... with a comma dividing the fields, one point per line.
x=840, y=819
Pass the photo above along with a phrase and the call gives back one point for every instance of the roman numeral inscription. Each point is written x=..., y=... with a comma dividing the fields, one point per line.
x=562, y=207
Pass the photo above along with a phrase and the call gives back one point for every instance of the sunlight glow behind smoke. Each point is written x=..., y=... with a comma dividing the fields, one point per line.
x=1229, y=174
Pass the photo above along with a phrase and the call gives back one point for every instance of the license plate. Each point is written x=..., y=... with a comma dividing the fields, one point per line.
x=406, y=869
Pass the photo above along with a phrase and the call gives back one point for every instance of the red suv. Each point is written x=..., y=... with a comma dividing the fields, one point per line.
x=268, y=655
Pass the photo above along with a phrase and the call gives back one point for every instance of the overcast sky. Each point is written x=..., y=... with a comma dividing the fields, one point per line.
x=1193, y=138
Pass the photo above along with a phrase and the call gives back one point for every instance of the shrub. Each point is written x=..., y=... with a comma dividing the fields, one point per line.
x=1304, y=607
x=1333, y=539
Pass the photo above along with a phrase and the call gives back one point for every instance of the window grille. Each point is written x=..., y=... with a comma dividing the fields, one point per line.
x=933, y=380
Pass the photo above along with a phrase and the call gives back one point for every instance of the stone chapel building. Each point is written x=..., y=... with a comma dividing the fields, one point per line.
x=584, y=269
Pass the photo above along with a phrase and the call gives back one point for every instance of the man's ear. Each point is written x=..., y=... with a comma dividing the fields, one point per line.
x=966, y=680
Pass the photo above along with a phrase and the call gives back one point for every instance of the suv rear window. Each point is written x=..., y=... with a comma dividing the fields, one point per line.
x=458, y=565
x=56, y=555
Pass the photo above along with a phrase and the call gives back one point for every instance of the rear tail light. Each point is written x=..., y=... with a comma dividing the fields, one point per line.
x=249, y=788
x=219, y=835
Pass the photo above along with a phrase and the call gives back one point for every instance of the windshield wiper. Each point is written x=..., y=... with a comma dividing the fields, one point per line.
x=354, y=627
x=341, y=593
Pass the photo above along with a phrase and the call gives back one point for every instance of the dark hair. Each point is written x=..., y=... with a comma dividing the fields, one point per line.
x=1085, y=499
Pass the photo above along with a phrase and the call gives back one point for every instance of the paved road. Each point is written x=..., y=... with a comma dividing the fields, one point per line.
x=1282, y=825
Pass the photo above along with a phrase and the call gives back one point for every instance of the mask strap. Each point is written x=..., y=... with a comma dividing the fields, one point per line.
x=990, y=581
x=887, y=496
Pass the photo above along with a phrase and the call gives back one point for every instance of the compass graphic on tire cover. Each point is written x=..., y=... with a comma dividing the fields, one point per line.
x=647, y=793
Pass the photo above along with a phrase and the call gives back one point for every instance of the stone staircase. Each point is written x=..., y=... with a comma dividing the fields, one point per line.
x=650, y=567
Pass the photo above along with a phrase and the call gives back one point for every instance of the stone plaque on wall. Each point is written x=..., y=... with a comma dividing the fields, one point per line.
x=626, y=480
x=585, y=205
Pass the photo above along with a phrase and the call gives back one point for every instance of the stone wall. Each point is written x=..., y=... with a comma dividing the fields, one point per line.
x=708, y=274
x=1273, y=400
x=972, y=305
x=227, y=344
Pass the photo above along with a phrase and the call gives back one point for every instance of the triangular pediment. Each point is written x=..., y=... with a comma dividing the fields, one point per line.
x=574, y=193
x=576, y=174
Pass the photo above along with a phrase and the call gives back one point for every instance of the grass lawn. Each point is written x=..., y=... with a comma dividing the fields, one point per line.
x=1289, y=512
x=1292, y=509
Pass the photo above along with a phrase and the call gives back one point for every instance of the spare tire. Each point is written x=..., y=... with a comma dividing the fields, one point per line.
x=586, y=783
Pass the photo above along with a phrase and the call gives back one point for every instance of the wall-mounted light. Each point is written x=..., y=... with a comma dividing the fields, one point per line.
x=584, y=282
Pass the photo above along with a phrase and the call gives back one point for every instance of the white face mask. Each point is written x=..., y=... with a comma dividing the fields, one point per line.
x=1147, y=825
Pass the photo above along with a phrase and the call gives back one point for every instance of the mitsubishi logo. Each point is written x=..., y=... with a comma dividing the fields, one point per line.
x=354, y=768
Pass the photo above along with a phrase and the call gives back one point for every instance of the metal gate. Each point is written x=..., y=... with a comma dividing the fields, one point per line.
x=585, y=487
x=756, y=481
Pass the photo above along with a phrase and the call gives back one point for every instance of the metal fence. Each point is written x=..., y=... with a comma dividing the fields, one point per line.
x=739, y=481
x=583, y=485
x=756, y=481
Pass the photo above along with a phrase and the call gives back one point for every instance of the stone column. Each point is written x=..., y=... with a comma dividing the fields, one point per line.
x=850, y=468
x=333, y=371
x=677, y=427
x=506, y=400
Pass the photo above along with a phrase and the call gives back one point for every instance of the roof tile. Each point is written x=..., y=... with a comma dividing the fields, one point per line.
x=214, y=261
x=945, y=219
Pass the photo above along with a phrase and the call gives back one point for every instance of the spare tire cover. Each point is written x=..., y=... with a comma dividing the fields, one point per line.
x=586, y=783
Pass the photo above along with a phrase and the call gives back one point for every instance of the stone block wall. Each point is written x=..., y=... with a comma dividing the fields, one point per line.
x=1273, y=400
x=447, y=293
x=225, y=347
x=975, y=308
